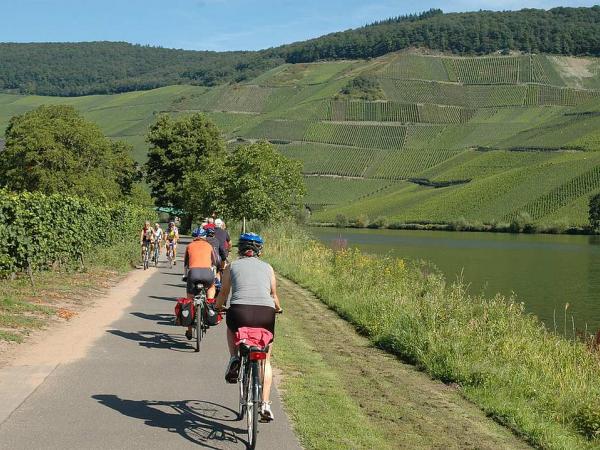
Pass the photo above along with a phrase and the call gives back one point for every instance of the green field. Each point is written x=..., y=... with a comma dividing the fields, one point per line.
x=520, y=131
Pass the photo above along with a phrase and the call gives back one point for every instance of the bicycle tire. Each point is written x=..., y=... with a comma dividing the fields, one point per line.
x=199, y=326
x=243, y=388
x=253, y=405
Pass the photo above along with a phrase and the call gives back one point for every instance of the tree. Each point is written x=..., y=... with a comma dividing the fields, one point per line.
x=262, y=184
x=179, y=147
x=594, y=214
x=255, y=181
x=53, y=149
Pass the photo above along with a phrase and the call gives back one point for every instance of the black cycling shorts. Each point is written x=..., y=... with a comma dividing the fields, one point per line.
x=203, y=276
x=255, y=316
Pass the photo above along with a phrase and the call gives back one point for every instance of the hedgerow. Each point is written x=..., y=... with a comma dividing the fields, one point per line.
x=41, y=230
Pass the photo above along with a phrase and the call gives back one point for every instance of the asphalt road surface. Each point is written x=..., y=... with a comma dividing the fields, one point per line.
x=141, y=386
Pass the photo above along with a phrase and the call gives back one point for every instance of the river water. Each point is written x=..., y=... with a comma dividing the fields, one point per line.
x=545, y=272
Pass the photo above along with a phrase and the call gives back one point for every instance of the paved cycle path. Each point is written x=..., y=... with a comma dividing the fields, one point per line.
x=141, y=386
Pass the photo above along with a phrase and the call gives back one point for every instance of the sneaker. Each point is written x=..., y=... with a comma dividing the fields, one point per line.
x=233, y=367
x=265, y=412
x=188, y=334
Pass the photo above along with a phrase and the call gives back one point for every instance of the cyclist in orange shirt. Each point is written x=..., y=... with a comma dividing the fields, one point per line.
x=200, y=262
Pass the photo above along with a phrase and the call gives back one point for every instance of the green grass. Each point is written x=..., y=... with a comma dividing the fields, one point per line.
x=543, y=386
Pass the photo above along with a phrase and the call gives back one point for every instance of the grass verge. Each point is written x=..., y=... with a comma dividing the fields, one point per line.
x=341, y=392
x=544, y=387
x=58, y=295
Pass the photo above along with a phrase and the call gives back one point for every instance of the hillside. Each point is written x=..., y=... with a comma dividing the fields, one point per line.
x=408, y=136
x=72, y=69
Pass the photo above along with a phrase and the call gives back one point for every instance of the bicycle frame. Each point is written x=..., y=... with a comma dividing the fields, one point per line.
x=252, y=360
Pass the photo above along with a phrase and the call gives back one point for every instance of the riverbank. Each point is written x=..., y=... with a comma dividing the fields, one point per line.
x=335, y=380
x=461, y=225
x=544, y=387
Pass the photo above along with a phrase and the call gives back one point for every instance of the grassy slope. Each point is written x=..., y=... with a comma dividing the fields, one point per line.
x=432, y=117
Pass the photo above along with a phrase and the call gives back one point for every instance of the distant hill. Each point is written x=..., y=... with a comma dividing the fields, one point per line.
x=73, y=69
x=409, y=136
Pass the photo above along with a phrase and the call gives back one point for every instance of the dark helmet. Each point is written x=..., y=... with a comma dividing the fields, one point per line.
x=250, y=242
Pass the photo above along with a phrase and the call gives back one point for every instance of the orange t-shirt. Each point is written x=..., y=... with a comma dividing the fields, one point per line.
x=199, y=255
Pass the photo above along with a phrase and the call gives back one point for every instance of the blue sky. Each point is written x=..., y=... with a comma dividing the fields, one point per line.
x=215, y=24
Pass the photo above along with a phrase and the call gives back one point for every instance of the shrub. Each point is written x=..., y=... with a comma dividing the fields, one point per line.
x=380, y=222
x=40, y=230
x=361, y=221
x=341, y=221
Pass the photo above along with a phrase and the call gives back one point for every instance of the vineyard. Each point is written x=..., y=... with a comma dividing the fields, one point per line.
x=516, y=126
x=42, y=230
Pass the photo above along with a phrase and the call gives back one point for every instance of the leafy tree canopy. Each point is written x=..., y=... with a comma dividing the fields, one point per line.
x=255, y=181
x=179, y=146
x=53, y=149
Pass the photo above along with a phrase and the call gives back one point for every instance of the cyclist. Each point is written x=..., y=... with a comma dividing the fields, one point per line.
x=253, y=303
x=171, y=237
x=158, y=238
x=212, y=239
x=223, y=236
x=146, y=237
x=199, y=262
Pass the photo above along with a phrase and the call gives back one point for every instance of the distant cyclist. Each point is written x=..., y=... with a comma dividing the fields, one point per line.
x=225, y=241
x=199, y=265
x=171, y=238
x=146, y=237
x=159, y=236
x=253, y=303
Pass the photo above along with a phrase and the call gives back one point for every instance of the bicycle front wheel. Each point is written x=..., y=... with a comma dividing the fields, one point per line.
x=253, y=405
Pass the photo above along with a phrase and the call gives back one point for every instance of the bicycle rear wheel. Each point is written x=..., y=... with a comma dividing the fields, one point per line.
x=253, y=405
x=199, y=326
x=243, y=388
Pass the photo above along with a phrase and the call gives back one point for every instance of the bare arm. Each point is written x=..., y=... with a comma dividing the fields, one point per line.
x=274, y=291
x=225, y=288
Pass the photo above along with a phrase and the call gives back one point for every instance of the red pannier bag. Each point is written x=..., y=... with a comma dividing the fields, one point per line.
x=253, y=337
x=212, y=316
x=184, y=312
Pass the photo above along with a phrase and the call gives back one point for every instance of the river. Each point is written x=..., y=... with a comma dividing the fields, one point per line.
x=545, y=272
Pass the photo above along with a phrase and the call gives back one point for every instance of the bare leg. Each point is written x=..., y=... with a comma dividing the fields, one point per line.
x=268, y=377
x=231, y=343
x=211, y=291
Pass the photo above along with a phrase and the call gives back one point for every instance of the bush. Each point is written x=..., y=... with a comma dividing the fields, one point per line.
x=380, y=222
x=523, y=223
x=341, y=221
x=361, y=221
x=39, y=230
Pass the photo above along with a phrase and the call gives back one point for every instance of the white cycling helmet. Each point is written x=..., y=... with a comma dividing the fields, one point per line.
x=218, y=223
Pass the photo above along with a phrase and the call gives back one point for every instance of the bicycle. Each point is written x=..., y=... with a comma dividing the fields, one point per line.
x=170, y=253
x=200, y=327
x=146, y=254
x=250, y=382
x=156, y=252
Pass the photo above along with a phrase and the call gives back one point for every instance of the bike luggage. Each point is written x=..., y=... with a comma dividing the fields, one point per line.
x=212, y=316
x=184, y=312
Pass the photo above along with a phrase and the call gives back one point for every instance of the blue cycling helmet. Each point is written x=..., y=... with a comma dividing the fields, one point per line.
x=250, y=244
x=198, y=232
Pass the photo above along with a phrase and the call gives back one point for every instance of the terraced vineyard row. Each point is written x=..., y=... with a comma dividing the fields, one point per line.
x=396, y=112
x=562, y=195
x=408, y=163
x=324, y=159
x=369, y=136
x=284, y=130
x=415, y=67
x=500, y=70
x=551, y=95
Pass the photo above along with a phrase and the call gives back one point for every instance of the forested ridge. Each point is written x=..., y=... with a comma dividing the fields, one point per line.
x=72, y=69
